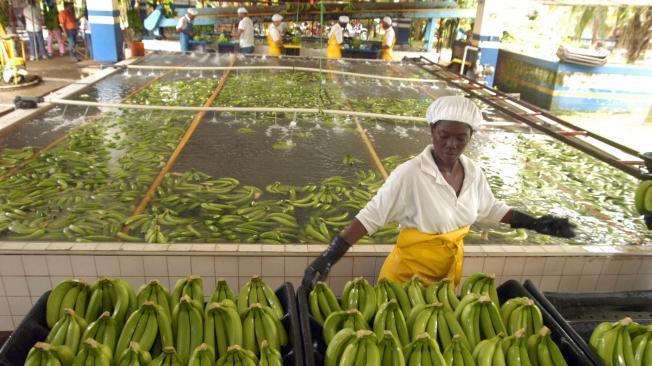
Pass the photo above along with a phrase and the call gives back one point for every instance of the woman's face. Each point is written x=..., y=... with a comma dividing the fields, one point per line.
x=449, y=139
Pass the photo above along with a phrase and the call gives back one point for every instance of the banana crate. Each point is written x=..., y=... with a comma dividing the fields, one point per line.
x=580, y=313
x=34, y=328
x=314, y=344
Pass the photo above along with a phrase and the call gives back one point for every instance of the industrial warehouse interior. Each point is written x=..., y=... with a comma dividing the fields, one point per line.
x=267, y=183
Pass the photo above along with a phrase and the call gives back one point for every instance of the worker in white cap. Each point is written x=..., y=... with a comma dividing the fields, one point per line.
x=435, y=197
x=336, y=38
x=389, y=39
x=274, y=39
x=245, y=31
x=184, y=27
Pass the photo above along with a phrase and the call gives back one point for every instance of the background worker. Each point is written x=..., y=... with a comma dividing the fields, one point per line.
x=435, y=197
x=274, y=39
x=245, y=31
x=185, y=29
x=51, y=16
x=389, y=39
x=336, y=38
x=34, y=28
x=68, y=23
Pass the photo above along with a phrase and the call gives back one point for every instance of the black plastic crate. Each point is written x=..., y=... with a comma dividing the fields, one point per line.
x=314, y=345
x=34, y=329
x=580, y=313
x=361, y=53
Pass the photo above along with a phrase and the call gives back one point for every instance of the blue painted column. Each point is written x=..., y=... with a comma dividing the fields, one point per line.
x=106, y=35
x=487, y=33
x=431, y=28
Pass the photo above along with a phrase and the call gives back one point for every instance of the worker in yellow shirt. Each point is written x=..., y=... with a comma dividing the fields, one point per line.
x=389, y=39
x=274, y=38
x=336, y=38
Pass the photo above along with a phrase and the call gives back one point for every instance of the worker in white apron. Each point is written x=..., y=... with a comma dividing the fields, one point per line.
x=435, y=197
x=336, y=38
x=389, y=39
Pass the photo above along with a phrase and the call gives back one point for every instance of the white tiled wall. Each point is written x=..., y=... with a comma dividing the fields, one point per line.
x=28, y=270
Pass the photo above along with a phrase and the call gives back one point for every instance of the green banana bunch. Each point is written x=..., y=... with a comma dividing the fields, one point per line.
x=47, y=354
x=438, y=321
x=359, y=294
x=269, y=356
x=543, y=351
x=238, y=356
x=222, y=292
x=68, y=294
x=390, y=318
x=482, y=284
x=257, y=291
x=521, y=313
x=458, y=353
x=489, y=352
x=390, y=350
x=168, y=357
x=423, y=351
x=192, y=286
x=67, y=331
x=222, y=326
x=479, y=317
x=188, y=326
x=642, y=345
x=113, y=295
x=339, y=320
x=415, y=291
x=361, y=350
x=643, y=197
x=202, y=355
x=442, y=291
x=323, y=302
x=515, y=349
x=103, y=330
x=93, y=353
x=260, y=323
x=613, y=342
x=134, y=356
x=387, y=289
x=337, y=345
x=155, y=292
x=146, y=325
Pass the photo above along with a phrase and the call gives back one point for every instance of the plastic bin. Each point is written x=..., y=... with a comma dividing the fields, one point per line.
x=580, y=313
x=361, y=53
x=314, y=345
x=34, y=329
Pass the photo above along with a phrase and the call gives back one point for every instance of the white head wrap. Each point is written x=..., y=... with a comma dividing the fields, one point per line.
x=455, y=108
x=193, y=11
x=242, y=11
x=277, y=18
x=343, y=19
x=387, y=20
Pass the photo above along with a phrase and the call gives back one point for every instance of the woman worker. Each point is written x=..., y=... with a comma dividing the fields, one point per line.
x=336, y=38
x=435, y=197
x=389, y=39
x=274, y=38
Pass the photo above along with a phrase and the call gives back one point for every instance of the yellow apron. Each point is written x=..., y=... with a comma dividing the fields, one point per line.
x=431, y=256
x=274, y=47
x=386, y=53
x=333, y=50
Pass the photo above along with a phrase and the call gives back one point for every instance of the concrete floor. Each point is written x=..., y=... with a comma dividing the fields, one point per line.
x=56, y=72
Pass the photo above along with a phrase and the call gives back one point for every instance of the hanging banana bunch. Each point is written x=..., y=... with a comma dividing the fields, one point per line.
x=188, y=326
x=543, y=351
x=203, y=355
x=67, y=331
x=222, y=326
x=222, y=292
x=337, y=345
x=339, y=320
x=442, y=291
x=323, y=302
x=390, y=350
x=390, y=318
x=521, y=313
x=362, y=350
x=458, y=353
x=269, y=356
x=259, y=323
x=387, y=289
x=68, y=294
x=155, y=292
x=237, y=356
x=47, y=354
x=145, y=325
x=168, y=357
x=113, y=295
x=359, y=294
x=257, y=291
x=191, y=286
x=103, y=330
x=93, y=353
x=479, y=317
x=415, y=291
x=134, y=356
x=423, y=351
x=481, y=284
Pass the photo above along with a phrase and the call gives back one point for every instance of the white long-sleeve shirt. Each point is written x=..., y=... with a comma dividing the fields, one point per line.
x=417, y=196
x=33, y=18
x=389, y=37
x=338, y=31
x=246, y=26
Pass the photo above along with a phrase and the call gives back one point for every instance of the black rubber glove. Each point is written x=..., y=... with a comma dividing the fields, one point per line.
x=547, y=224
x=319, y=268
x=648, y=220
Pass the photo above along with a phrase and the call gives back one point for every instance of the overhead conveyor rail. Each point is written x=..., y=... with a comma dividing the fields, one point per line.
x=617, y=155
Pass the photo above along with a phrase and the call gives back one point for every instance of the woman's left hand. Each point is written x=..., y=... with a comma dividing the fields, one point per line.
x=547, y=224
